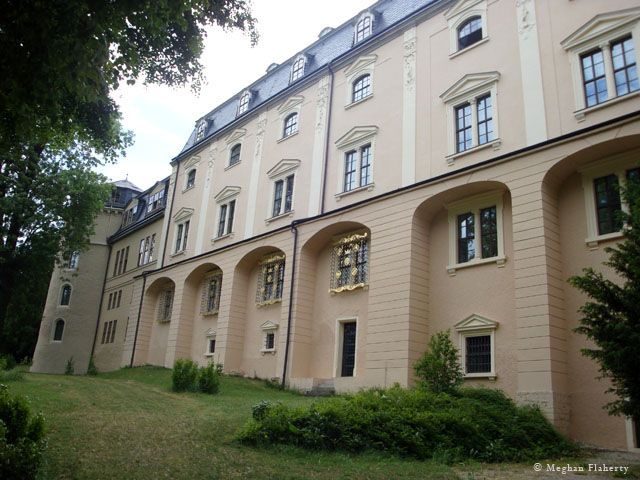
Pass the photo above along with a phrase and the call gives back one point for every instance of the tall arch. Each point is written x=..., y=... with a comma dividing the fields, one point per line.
x=155, y=319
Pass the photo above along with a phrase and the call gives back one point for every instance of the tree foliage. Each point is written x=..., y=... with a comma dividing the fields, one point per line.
x=611, y=319
x=438, y=370
x=60, y=61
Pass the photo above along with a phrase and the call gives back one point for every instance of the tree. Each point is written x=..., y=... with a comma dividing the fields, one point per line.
x=60, y=61
x=438, y=369
x=611, y=319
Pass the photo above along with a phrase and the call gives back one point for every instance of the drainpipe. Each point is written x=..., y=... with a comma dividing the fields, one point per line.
x=104, y=282
x=135, y=338
x=294, y=229
x=326, y=146
x=173, y=196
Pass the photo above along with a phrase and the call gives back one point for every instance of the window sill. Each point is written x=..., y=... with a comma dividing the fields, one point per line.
x=210, y=314
x=186, y=189
x=358, y=102
x=592, y=242
x=280, y=140
x=581, y=114
x=222, y=237
x=266, y=303
x=495, y=143
x=278, y=217
x=209, y=354
x=177, y=254
x=349, y=288
x=164, y=321
x=466, y=49
x=229, y=167
x=500, y=261
x=368, y=188
x=489, y=376
x=268, y=351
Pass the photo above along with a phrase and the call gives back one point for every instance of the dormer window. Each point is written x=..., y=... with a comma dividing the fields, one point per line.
x=364, y=28
x=470, y=32
x=297, y=69
x=243, y=103
x=200, y=130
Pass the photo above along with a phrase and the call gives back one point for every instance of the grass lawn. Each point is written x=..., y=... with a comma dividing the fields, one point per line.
x=129, y=425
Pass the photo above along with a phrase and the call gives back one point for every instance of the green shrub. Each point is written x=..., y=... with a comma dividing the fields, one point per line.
x=472, y=424
x=7, y=362
x=185, y=376
x=91, y=369
x=209, y=379
x=69, y=368
x=12, y=375
x=438, y=369
x=21, y=438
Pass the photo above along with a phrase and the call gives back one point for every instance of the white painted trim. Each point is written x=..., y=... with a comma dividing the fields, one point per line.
x=409, y=108
x=363, y=65
x=460, y=13
x=204, y=204
x=339, y=340
x=319, y=146
x=254, y=179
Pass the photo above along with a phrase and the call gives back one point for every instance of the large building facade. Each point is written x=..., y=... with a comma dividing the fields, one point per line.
x=426, y=166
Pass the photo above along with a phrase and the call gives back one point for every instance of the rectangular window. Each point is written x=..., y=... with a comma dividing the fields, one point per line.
x=348, y=349
x=594, y=79
x=115, y=265
x=165, y=306
x=466, y=237
x=625, y=74
x=357, y=168
x=270, y=341
x=119, y=298
x=608, y=205
x=179, y=237
x=232, y=211
x=288, y=197
x=489, y=232
x=485, y=120
x=109, y=303
x=277, y=197
x=349, y=262
x=211, y=294
x=126, y=259
x=365, y=165
x=113, y=331
x=212, y=346
x=109, y=326
x=104, y=333
x=478, y=354
x=151, y=247
x=271, y=280
x=463, y=127
x=223, y=220
x=350, y=171
x=141, y=252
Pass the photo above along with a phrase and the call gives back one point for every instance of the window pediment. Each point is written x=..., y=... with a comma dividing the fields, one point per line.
x=283, y=167
x=210, y=333
x=461, y=7
x=226, y=193
x=194, y=160
x=476, y=322
x=234, y=136
x=356, y=135
x=269, y=325
x=183, y=213
x=468, y=85
x=290, y=103
x=360, y=64
x=600, y=25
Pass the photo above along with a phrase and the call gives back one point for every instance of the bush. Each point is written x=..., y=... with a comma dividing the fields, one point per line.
x=69, y=368
x=12, y=375
x=472, y=424
x=185, y=375
x=91, y=369
x=438, y=370
x=21, y=438
x=7, y=362
x=209, y=379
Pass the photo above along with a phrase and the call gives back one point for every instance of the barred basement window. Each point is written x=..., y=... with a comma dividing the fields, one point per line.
x=478, y=354
x=211, y=294
x=271, y=280
x=350, y=262
x=165, y=306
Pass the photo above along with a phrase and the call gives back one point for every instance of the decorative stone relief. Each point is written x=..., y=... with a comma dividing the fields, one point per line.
x=526, y=17
x=410, y=64
x=321, y=103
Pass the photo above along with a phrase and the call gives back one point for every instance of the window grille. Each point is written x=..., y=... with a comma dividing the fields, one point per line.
x=350, y=262
x=270, y=280
x=478, y=354
x=165, y=306
x=211, y=293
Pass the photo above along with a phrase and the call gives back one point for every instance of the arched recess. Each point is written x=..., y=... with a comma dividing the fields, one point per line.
x=255, y=330
x=570, y=196
x=155, y=319
x=199, y=312
x=452, y=279
x=323, y=306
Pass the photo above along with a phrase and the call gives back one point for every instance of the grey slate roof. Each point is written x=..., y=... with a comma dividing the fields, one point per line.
x=319, y=54
x=126, y=184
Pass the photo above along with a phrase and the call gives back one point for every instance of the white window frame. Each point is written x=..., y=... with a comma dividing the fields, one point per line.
x=475, y=204
x=267, y=328
x=360, y=19
x=295, y=115
x=290, y=106
x=281, y=171
x=339, y=343
x=242, y=106
x=355, y=139
x=201, y=129
x=459, y=14
x=234, y=138
x=599, y=33
x=62, y=287
x=364, y=65
x=225, y=197
x=74, y=260
x=186, y=179
x=467, y=90
x=210, y=335
x=476, y=326
x=299, y=58
x=616, y=165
